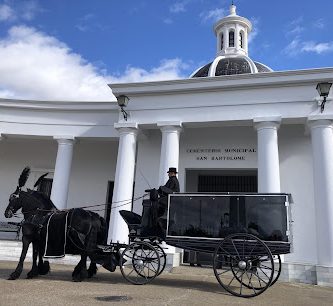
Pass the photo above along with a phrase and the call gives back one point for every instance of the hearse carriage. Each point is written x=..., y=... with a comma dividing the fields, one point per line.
x=246, y=232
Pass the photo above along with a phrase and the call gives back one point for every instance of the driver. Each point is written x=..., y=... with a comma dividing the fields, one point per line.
x=172, y=185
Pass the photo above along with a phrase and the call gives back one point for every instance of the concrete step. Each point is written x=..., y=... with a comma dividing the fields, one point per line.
x=11, y=250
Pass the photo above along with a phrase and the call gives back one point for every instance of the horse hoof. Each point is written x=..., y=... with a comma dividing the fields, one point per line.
x=31, y=275
x=13, y=276
x=44, y=268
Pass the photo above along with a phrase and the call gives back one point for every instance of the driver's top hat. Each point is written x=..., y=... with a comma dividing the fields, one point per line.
x=172, y=170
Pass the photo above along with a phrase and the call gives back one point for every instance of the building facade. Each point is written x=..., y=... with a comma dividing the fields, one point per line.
x=234, y=120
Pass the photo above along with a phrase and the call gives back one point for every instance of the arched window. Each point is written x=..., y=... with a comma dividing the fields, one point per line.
x=222, y=41
x=232, y=38
x=241, y=39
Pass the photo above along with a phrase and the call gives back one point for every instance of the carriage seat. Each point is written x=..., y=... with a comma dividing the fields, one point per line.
x=132, y=219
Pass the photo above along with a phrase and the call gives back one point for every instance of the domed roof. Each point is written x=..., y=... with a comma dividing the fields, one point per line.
x=229, y=66
x=232, y=49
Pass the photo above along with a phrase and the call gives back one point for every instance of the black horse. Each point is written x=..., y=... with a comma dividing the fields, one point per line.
x=85, y=229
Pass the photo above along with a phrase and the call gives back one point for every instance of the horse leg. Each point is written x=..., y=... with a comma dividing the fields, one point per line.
x=16, y=274
x=34, y=270
x=43, y=266
x=92, y=269
x=80, y=271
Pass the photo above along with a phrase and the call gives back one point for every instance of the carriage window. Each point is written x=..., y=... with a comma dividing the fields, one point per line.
x=232, y=38
x=46, y=186
x=218, y=216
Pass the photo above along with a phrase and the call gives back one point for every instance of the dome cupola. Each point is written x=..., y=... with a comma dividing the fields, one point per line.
x=232, y=48
x=232, y=33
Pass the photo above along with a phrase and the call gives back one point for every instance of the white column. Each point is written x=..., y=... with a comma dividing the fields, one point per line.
x=225, y=40
x=237, y=45
x=62, y=171
x=169, y=148
x=245, y=41
x=268, y=154
x=123, y=183
x=322, y=150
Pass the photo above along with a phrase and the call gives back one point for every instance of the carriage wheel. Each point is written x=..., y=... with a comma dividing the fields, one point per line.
x=140, y=263
x=243, y=265
x=277, y=268
x=162, y=257
x=265, y=262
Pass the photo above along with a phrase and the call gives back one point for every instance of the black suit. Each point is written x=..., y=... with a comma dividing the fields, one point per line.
x=172, y=184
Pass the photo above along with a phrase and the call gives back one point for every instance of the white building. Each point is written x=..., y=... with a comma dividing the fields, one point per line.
x=233, y=117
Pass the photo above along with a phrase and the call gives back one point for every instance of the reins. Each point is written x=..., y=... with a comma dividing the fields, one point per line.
x=88, y=206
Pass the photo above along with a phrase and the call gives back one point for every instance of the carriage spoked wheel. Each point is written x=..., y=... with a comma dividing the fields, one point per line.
x=140, y=263
x=162, y=257
x=265, y=263
x=243, y=265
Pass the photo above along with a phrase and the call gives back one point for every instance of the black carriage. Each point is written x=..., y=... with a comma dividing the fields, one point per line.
x=246, y=233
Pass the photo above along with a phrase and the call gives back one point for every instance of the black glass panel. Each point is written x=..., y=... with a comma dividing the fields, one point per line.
x=231, y=39
x=261, y=68
x=229, y=66
x=203, y=71
x=218, y=216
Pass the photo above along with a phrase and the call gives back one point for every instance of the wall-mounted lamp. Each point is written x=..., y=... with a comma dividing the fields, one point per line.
x=122, y=102
x=323, y=90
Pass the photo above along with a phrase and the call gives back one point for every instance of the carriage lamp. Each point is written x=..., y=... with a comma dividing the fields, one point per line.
x=323, y=90
x=122, y=102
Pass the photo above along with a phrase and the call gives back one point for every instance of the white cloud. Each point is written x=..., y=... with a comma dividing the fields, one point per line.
x=6, y=13
x=169, y=69
x=295, y=27
x=16, y=10
x=293, y=47
x=29, y=9
x=178, y=7
x=89, y=22
x=296, y=30
x=168, y=21
x=318, y=48
x=297, y=46
x=319, y=24
x=214, y=15
x=255, y=30
x=39, y=66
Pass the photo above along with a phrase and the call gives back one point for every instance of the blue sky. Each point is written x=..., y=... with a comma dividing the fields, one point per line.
x=70, y=49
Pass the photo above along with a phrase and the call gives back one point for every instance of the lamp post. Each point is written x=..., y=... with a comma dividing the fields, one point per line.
x=323, y=90
x=122, y=102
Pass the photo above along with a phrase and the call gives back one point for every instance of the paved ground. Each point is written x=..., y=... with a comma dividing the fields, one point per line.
x=184, y=286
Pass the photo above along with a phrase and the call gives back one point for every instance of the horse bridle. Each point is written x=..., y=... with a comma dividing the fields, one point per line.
x=16, y=195
x=12, y=197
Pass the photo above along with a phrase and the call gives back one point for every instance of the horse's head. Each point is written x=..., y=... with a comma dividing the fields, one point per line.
x=15, y=201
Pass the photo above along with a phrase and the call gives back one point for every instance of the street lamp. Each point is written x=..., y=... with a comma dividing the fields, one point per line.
x=122, y=102
x=323, y=90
